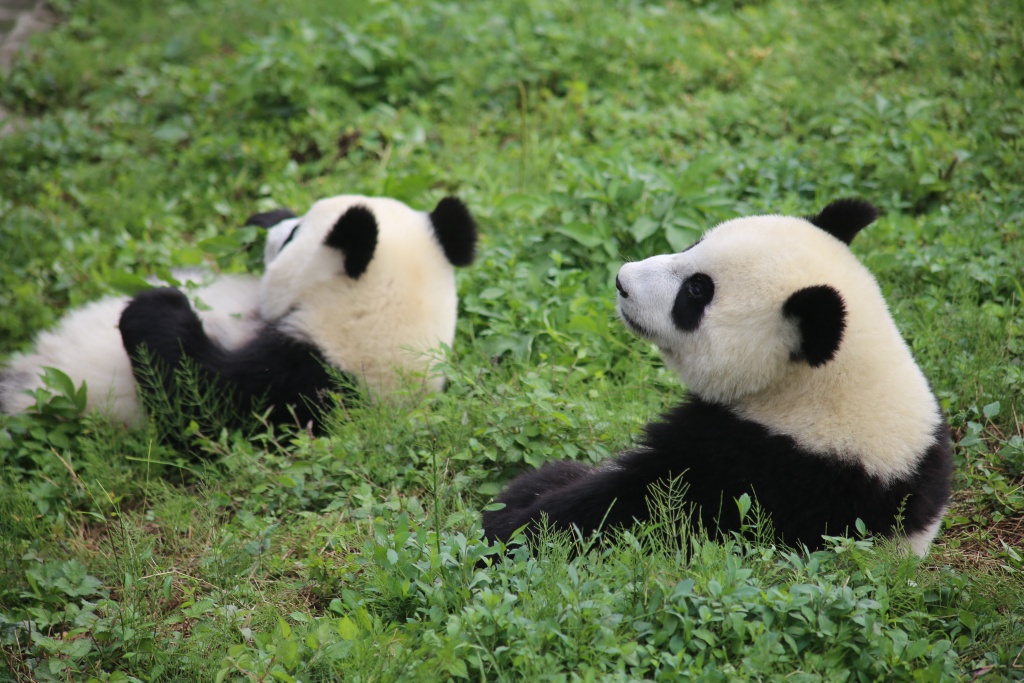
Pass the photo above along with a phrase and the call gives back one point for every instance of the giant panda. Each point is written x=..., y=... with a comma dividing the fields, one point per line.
x=801, y=393
x=86, y=344
x=361, y=287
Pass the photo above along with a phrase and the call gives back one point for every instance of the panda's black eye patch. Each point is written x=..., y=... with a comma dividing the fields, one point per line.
x=699, y=287
x=292, y=234
x=694, y=295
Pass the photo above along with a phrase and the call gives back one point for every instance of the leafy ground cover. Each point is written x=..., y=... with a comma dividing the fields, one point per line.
x=581, y=134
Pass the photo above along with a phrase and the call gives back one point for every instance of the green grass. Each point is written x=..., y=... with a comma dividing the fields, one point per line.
x=581, y=134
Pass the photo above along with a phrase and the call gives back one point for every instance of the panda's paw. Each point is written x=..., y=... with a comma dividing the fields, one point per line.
x=159, y=304
x=157, y=316
x=162, y=296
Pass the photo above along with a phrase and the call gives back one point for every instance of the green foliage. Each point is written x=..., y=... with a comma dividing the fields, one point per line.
x=581, y=135
x=56, y=414
x=431, y=611
x=194, y=407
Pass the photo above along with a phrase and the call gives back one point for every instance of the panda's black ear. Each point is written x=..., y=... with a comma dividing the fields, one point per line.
x=820, y=315
x=455, y=230
x=269, y=219
x=844, y=218
x=355, y=235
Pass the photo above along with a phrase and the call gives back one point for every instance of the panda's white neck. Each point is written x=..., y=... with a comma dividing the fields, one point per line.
x=383, y=356
x=873, y=408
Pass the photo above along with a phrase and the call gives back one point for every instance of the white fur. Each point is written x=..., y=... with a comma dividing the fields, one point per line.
x=921, y=541
x=386, y=323
x=228, y=305
x=870, y=402
x=86, y=345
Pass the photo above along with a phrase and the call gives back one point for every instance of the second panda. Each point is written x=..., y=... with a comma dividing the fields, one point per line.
x=362, y=286
x=802, y=394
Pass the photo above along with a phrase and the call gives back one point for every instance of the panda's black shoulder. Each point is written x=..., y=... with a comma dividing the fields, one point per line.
x=716, y=445
x=701, y=424
x=709, y=445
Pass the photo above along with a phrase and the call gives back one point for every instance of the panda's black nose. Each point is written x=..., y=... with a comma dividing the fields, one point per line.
x=618, y=285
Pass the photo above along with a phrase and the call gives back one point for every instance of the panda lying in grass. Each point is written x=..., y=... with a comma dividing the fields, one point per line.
x=802, y=394
x=358, y=286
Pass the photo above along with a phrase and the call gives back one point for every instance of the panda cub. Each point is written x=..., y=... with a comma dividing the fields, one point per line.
x=802, y=393
x=361, y=286
x=86, y=344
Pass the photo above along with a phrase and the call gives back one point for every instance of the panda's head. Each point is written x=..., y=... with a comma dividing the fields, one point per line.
x=369, y=281
x=756, y=300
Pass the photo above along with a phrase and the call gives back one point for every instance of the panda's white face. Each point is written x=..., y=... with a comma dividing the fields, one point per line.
x=368, y=281
x=716, y=309
x=775, y=317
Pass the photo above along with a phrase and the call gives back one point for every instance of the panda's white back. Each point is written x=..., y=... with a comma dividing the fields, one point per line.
x=85, y=345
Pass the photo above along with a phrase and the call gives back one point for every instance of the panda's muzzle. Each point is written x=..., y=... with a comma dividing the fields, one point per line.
x=634, y=326
x=622, y=290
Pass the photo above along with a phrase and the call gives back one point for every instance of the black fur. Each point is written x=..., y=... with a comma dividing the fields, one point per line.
x=272, y=371
x=720, y=457
x=269, y=219
x=844, y=218
x=694, y=295
x=355, y=235
x=290, y=237
x=821, y=315
x=455, y=230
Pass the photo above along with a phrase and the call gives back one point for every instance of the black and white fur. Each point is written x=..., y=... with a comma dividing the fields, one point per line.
x=362, y=286
x=802, y=393
x=86, y=343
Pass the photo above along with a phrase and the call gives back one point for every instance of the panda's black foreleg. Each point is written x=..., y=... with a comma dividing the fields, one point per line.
x=566, y=495
x=161, y=334
x=158, y=328
x=274, y=371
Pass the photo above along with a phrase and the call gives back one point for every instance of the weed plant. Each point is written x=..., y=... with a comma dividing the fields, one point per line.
x=138, y=136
